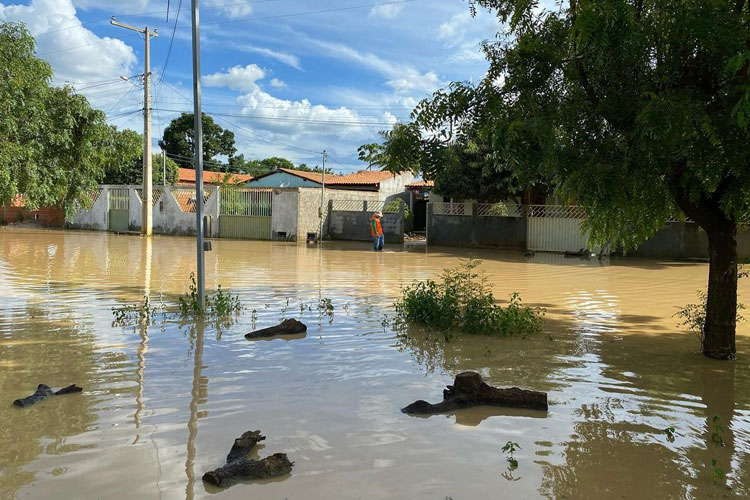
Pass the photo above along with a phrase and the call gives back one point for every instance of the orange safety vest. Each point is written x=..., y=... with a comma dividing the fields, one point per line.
x=375, y=228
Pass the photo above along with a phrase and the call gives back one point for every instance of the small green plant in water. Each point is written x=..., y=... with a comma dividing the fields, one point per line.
x=718, y=432
x=463, y=301
x=510, y=448
x=223, y=303
x=132, y=313
x=717, y=475
x=693, y=316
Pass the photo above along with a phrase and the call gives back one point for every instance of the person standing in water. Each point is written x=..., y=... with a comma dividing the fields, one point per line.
x=376, y=230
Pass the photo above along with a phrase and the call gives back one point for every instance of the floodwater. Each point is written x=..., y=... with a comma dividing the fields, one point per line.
x=163, y=404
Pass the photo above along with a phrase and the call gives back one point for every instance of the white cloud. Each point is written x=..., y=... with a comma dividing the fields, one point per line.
x=234, y=10
x=236, y=78
x=276, y=83
x=288, y=59
x=387, y=11
x=402, y=78
x=75, y=53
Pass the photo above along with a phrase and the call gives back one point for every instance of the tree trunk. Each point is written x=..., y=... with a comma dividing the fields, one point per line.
x=717, y=339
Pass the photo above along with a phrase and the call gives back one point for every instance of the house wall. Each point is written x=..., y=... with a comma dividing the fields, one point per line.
x=282, y=179
x=395, y=187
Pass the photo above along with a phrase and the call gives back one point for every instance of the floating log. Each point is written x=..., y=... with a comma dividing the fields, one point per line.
x=470, y=390
x=42, y=392
x=286, y=327
x=240, y=468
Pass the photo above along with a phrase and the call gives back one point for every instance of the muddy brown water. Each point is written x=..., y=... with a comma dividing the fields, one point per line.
x=163, y=404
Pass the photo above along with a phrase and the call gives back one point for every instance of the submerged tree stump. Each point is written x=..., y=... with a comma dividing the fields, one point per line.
x=286, y=327
x=470, y=390
x=239, y=468
x=42, y=392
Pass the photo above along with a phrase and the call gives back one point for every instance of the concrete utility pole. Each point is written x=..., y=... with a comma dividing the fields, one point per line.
x=147, y=220
x=322, y=199
x=198, y=150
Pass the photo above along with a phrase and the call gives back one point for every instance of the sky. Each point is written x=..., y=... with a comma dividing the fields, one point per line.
x=289, y=77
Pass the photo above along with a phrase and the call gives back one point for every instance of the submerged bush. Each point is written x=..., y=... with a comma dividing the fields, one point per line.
x=462, y=301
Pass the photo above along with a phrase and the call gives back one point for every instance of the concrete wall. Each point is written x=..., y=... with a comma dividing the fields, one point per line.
x=309, y=205
x=395, y=187
x=284, y=214
x=685, y=240
x=476, y=231
x=356, y=226
x=168, y=217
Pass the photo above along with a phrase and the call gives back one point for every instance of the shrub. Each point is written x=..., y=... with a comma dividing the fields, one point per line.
x=394, y=206
x=462, y=301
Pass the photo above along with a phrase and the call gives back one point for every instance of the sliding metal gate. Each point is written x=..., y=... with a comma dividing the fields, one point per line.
x=245, y=213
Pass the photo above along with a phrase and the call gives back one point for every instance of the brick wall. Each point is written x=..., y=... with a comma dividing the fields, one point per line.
x=46, y=216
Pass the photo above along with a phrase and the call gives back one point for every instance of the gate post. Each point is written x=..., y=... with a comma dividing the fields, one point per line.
x=474, y=222
x=427, y=223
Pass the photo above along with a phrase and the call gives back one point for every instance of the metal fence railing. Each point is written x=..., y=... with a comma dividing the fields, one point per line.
x=348, y=205
x=155, y=195
x=445, y=208
x=248, y=202
x=119, y=199
x=557, y=211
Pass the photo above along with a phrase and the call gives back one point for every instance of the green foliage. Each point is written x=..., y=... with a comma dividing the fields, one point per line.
x=463, y=302
x=222, y=304
x=394, y=206
x=717, y=434
x=372, y=154
x=143, y=312
x=717, y=474
x=510, y=448
x=50, y=137
x=178, y=139
x=693, y=316
x=123, y=160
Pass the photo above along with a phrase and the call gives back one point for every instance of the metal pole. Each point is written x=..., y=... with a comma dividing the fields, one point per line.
x=322, y=199
x=147, y=211
x=198, y=150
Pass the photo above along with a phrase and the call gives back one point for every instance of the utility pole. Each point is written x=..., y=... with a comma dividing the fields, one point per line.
x=322, y=199
x=163, y=168
x=147, y=207
x=198, y=146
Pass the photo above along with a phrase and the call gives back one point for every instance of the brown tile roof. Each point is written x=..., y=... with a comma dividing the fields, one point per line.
x=187, y=176
x=361, y=178
x=421, y=184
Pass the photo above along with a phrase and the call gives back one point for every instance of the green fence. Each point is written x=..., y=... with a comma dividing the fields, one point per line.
x=119, y=204
x=245, y=227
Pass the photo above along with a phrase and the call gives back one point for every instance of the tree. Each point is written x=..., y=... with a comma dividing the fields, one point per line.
x=177, y=140
x=123, y=160
x=636, y=110
x=50, y=138
x=371, y=154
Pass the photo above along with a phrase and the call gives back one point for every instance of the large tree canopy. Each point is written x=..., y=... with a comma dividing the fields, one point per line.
x=635, y=109
x=177, y=140
x=50, y=138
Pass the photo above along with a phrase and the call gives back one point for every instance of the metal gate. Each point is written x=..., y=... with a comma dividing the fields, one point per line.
x=556, y=228
x=119, y=207
x=245, y=213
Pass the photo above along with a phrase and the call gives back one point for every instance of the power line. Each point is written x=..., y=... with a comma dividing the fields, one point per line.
x=250, y=132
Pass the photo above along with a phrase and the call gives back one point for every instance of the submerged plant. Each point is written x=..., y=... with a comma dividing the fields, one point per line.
x=717, y=436
x=510, y=448
x=135, y=313
x=463, y=301
x=718, y=472
x=670, y=432
x=693, y=316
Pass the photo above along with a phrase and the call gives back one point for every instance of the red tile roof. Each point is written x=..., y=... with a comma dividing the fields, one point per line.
x=421, y=184
x=187, y=176
x=361, y=178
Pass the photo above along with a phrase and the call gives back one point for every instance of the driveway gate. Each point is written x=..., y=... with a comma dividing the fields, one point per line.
x=245, y=213
x=556, y=228
x=119, y=206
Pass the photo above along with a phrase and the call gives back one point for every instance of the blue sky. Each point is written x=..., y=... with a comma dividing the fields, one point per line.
x=289, y=77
